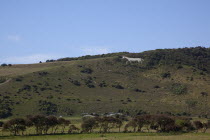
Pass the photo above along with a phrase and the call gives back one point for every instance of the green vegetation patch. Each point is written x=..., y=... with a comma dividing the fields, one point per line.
x=2, y=79
x=48, y=108
x=178, y=89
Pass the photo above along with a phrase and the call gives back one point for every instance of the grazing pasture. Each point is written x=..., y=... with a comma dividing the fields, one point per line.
x=115, y=136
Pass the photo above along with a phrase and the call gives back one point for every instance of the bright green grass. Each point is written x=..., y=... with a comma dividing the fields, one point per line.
x=116, y=136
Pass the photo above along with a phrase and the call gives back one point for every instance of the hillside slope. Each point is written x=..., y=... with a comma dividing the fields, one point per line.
x=109, y=84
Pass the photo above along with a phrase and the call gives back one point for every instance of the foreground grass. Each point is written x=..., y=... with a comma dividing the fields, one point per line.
x=116, y=136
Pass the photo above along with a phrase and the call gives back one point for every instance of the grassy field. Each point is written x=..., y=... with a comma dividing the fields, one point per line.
x=116, y=136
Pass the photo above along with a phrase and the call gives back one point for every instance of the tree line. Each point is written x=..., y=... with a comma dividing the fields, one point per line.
x=198, y=57
x=42, y=125
x=158, y=123
x=103, y=124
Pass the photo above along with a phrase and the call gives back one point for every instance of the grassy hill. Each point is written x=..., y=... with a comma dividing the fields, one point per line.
x=175, y=81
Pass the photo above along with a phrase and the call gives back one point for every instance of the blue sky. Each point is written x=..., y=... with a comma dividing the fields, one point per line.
x=33, y=30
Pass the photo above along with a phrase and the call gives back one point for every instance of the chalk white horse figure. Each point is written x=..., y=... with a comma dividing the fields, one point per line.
x=139, y=60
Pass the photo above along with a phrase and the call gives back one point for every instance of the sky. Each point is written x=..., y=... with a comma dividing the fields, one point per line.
x=37, y=30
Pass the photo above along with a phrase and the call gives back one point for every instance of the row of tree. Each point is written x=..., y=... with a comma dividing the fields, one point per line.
x=4, y=64
x=159, y=123
x=197, y=57
x=53, y=125
x=103, y=124
x=42, y=124
x=165, y=123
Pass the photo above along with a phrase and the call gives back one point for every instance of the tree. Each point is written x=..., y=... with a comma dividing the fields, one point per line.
x=140, y=122
x=184, y=124
x=132, y=123
x=198, y=125
x=52, y=122
x=15, y=125
x=1, y=123
x=107, y=123
x=73, y=128
x=3, y=65
x=29, y=123
x=63, y=123
x=89, y=124
x=39, y=121
x=206, y=126
x=164, y=121
x=118, y=123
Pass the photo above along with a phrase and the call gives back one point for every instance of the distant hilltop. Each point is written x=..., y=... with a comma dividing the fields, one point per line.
x=194, y=56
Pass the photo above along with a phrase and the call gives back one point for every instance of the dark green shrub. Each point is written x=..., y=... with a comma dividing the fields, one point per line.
x=50, y=60
x=86, y=70
x=156, y=86
x=166, y=75
x=178, y=89
x=68, y=111
x=90, y=85
x=1, y=123
x=47, y=108
x=138, y=90
x=179, y=67
x=3, y=65
x=26, y=87
x=118, y=59
x=118, y=86
x=102, y=84
x=75, y=82
x=44, y=73
x=89, y=82
x=18, y=79
x=2, y=79
x=5, y=109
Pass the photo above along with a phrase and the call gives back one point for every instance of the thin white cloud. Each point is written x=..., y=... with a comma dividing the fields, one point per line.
x=35, y=58
x=14, y=37
x=95, y=50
